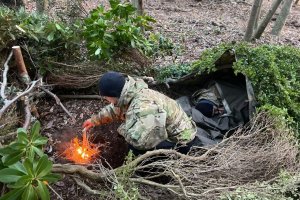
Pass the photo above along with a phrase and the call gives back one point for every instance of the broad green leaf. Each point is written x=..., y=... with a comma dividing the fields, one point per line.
x=6, y=151
x=97, y=52
x=21, y=130
x=12, y=158
x=29, y=167
x=40, y=141
x=43, y=167
x=29, y=193
x=43, y=191
x=50, y=37
x=132, y=43
x=22, y=137
x=35, y=130
x=38, y=151
x=18, y=166
x=23, y=181
x=8, y=175
x=18, y=145
x=13, y=194
x=51, y=178
x=58, y=27
x=30, y=153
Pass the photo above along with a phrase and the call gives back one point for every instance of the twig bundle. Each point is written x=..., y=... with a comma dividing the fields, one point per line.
x=254, y=153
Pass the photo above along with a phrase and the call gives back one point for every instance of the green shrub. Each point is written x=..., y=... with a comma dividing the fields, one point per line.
x=110, y=32
x=43, y=36
x=25, y=168
x=174, y=71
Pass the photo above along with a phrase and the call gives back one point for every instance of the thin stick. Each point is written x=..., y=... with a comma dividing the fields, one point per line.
x=80, y=97
x=5, y=107
x=86, y=187
x=55, y=192
x=27, y=113
x=4, y=83
x=59, y=102
x=180, y=183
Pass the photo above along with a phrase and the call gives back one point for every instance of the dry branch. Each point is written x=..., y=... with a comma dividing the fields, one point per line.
x=27, y=91
x=4, y=80
x=58, y=102
x=27, y=113
x=257, y=152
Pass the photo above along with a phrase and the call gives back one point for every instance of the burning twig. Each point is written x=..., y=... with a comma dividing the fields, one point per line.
x=81, y=152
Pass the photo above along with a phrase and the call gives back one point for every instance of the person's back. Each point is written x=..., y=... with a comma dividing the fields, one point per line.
x=152, y=117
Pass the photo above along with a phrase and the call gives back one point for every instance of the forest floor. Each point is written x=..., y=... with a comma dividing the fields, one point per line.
x=193, y=26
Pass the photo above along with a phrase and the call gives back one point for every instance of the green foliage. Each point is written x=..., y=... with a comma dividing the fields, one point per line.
x=273, y=71
x=109, y=32
x=123, y=187
x=174, y=71
x=160, y=45
x=25, y=168
x=43, y=35
x=26, y=145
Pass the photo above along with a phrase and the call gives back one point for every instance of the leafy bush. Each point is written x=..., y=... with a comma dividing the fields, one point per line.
x=109, y=32
x=25, y=168
x=272, y=69
x=174, y=71
x=43, y=36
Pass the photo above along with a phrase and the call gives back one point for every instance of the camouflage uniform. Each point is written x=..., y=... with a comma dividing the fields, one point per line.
x=149, y=117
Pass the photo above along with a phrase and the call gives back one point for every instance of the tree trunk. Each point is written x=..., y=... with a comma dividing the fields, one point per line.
x=258, y=15
x=41, y=5
x=281, y=19
x=262, y=26
x=255, y=11
x=139, y=6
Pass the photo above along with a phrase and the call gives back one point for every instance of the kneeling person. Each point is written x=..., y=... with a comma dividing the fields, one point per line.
x=150, y=119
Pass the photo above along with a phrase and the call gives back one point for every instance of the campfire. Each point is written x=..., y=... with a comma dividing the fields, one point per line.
x=81, y=152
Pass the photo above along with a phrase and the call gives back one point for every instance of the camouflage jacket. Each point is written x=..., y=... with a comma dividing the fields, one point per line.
x=149, y=117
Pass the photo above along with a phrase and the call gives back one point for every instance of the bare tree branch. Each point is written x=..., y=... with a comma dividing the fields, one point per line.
x=27, y=113
x=9, y=102
x=4, y=81
x=59, y=102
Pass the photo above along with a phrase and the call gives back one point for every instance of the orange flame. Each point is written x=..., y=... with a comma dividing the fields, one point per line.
x=81, y=152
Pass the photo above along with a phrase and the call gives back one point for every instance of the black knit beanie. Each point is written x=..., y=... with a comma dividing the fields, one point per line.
x=206, y=107
x=111, y=84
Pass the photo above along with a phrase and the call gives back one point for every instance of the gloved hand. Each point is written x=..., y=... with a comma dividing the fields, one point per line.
x=88, y=124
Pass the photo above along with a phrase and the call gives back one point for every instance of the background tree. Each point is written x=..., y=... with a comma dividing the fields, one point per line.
x=281, y=19
x=262, y=26
x=139, y=6
x=253, y=20
x=41, y=5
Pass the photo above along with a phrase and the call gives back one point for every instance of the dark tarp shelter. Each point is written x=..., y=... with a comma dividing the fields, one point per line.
x=234, y=91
